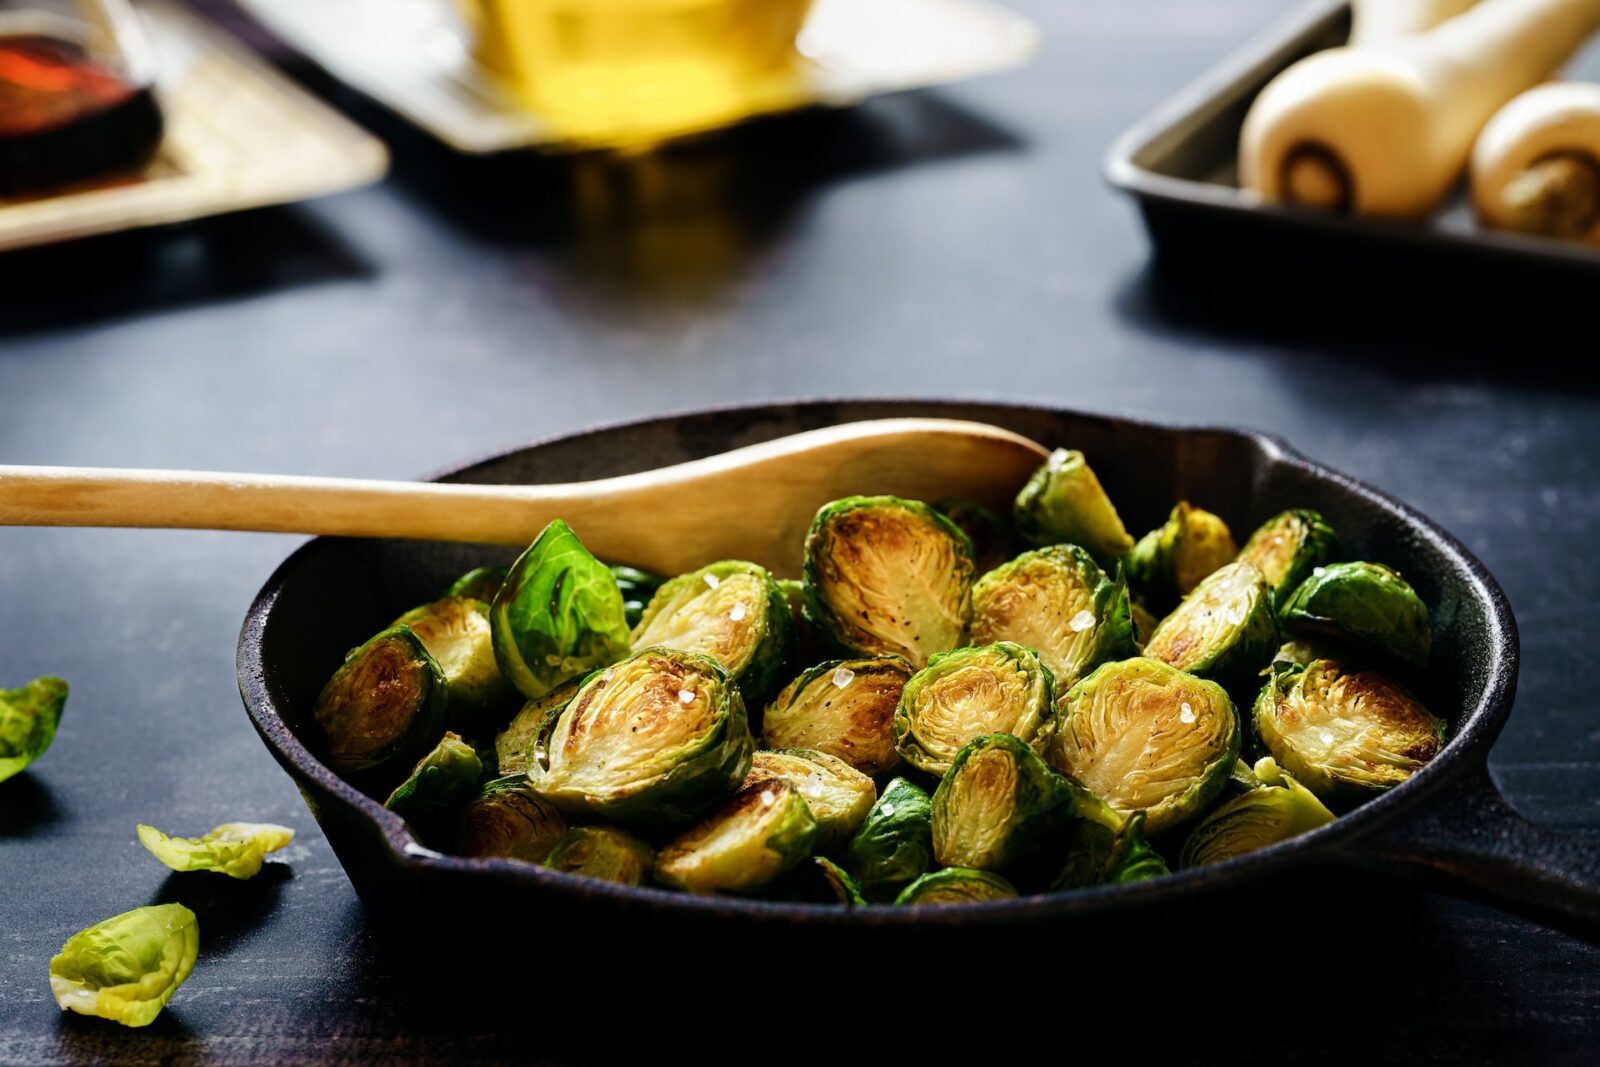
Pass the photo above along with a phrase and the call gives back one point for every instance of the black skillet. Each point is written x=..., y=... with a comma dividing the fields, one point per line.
x=1448, y=822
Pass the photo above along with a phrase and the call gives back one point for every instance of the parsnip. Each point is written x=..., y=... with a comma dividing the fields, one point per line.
x=1536, y=166
x=1384, y=20
x=1387, y=129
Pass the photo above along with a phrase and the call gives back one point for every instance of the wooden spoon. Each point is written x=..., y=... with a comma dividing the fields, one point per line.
x=753, y=503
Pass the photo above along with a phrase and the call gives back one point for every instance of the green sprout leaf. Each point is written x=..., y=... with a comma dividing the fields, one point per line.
x=235, y=849
x=28, y=720
x=126, y=968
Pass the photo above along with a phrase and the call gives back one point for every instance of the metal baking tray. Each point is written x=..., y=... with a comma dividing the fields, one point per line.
x=1179, y=165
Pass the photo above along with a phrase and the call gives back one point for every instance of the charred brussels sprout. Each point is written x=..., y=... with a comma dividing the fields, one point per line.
x=385, y=703
x=1058, y=602
x=235, y=849
x=602, y=852
x=962, y=695
x=993, y=541
x=1287, y=548
x=733, y=612
x=1224, y=630
x=1366, y=605
x=955, y=885
x=1169, y=561
x=509, y=820
x=1064, y=504
x=28, y=720
x=997, y=805
x=1345, y=734
x=457, y=634
x=1144, y=736
x=513, y=745
x=895, y=843
x=844, y=708
x=126, y=968
x=480, y=583
x=1105, y=848
x=1276, y=810
x=819, y=880
x=887, y=577
x=763, y=830
x=637, y=587
x=652, y=741
x=839, y=795
x=439, y=785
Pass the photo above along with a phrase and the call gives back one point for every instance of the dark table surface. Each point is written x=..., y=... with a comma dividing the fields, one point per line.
x=956, y=243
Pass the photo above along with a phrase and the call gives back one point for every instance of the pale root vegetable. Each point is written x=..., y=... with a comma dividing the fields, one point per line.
x=1384, y=20
x=1536, y=166
x=1386, y=130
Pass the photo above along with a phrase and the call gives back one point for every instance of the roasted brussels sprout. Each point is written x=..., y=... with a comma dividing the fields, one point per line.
x=1169, y=561
x=1144, y=736
x=1224, y=630
x=637, y=587
x=1299, y=651
x=28, y=720
x=1366, y=605
x=602, y=852
x=956, y=885
x=439, y=785
x=652, y=741
x=1345, y=734
x=235, y=849
x=993, y=541
x=1276, y=810
x=558, y=616
x=1144, y=624
x=1287, y=548
x=1105, y=848
x=383, y=705
x=962, y=695
x=844, y=708
x=509, y=820
x=1063, y=503
x=763, y=830
x=513, y=746
x=819, y=880
x=733, y=612
x=839, y=795
x=997, y=805
x=456, y=632
x=887, y=577
x=1058, y=602
x=480, y=583
x=126, y=968
x=895, y=843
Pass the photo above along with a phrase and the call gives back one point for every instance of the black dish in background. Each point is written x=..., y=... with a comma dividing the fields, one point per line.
x=1447, y=820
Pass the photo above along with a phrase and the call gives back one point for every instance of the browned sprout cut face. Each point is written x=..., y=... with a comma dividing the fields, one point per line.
x=509, y=821
x=839, y=795
x=762, y=831
x=844, y=708
x=732, y=611
x=385, y=702
x=1225, y=629
x=962, y=695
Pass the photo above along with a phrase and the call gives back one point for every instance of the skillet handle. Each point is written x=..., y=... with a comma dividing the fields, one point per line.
x=1472, y=843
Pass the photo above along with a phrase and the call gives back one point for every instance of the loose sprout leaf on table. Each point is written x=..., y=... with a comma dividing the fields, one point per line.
x=29, y=717
x=235, y=849
x=126, y=968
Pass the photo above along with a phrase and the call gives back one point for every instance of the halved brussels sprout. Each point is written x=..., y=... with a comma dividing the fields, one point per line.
x=733, y=612
x=509, y=820
x=1063, y=503
x=763, y=830
x=558, y=616
x=637, y=587
x=440, y=784
x=1105, y=848
x=602, y=852
x=1365, y=604
x=819, y=880
x=235, y=849
x=126, y=968
x=839, y=795
x=1224, y=630
x=997, y=805
x=1058, y=602
x=480, y=583
x=887, y=577
x=956, y=885
x=383, y=704
x=1345, y=734
x=513, y=746
x=1300, y=651
x=959, y=696
x=993, y=541
x=1169, y=561
x=457, y=634
x=895, y=843
x=1278, y=809
x=28, y=720
x=1287, y=548
x=652, y=741
x=1143, y=736
x=844, y=708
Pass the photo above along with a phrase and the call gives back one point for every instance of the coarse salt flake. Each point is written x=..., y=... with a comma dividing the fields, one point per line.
x=843, y=677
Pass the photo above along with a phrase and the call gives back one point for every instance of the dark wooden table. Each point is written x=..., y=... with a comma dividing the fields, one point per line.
x=944, y=244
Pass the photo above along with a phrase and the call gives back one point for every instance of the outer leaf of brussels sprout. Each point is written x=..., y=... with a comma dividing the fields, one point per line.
x=1102, y=854
x=1365, y=604
x=763, y=830
x=1144, y=625
x=1224, y=630
x=895, y=843
x=955, y=885
x=480, y=583
x=1263, y=816
x=28, y=720
x=1143, y=736
x=458, y=636
x=513, y=745
x=1169, y=561
x=839, y=795
x=440, y=784
x=126, y=968
x=993, y=540
x=558, y=616
x=996, y=805
x=887, y=577
x=637, y=587
x=508, y=820
x=602, y=852
x=651, y=742
x=844, y=708
x=383, y=704
x=959, y=696
x=1058, y=602
x=235, y=849
x=819, y=880
x=1063, y=503
x=1287, y=548
x=733, y=612
x=1345, y=734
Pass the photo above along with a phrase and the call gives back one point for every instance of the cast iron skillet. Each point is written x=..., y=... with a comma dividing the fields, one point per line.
x=1448, y=821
